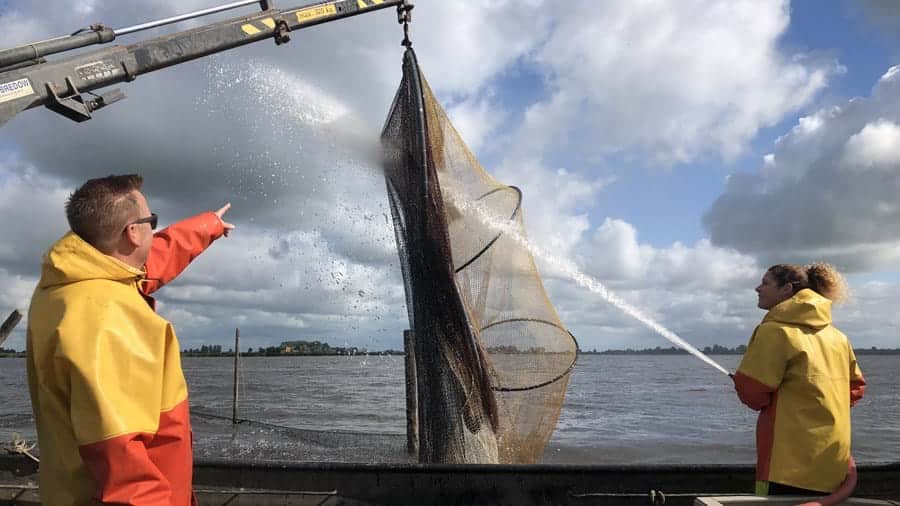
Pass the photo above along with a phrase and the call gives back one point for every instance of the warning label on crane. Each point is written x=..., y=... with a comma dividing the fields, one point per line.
x=15, y=89
x=95, y=71
x=316, y=12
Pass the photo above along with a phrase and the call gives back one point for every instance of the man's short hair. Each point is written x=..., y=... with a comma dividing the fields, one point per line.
x=100, y=209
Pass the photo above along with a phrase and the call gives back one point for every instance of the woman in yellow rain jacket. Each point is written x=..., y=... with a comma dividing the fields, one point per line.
x=104, y=370
x=801, y=374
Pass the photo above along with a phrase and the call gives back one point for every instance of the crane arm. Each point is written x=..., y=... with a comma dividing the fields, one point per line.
x=28, y=81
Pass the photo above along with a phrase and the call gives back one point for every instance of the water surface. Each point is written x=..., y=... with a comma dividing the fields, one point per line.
x=618, y=409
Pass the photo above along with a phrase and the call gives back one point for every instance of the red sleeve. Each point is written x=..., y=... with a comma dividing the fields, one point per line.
x=124, y=473
x=857, y=389
x=177, y=245
x=857, y=381
x=754, y=394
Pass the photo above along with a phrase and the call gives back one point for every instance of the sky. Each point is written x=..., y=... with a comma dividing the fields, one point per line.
x=671, y=150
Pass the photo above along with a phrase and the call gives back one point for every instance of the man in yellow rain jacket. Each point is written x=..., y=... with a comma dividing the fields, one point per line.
x=801, y=374
x=104, y=371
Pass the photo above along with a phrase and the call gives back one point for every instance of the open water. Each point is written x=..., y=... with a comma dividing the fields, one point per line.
x=646, y=409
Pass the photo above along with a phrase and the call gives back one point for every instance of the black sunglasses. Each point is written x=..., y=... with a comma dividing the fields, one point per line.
x=153, y=219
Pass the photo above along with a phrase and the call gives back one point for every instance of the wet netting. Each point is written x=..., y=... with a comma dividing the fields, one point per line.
x=492, y=356
x=216, y=437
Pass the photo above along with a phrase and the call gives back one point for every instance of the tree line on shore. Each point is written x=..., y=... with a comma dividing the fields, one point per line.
x=286, y=348
x=659, y=350
x=720, y=350
x=318, y=348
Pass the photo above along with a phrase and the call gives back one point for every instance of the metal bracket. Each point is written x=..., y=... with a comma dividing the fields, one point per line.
x=71, y=106
x=129, y=71
x=282, y=32
x=74, y=105
x=266, y=4
x=112, y=96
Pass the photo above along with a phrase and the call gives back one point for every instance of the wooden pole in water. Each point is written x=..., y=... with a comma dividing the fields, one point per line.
x=234, y=409
x=8, y=325
x=412, y=399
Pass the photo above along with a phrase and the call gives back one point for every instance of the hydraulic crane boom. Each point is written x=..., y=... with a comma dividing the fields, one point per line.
x=27, y=80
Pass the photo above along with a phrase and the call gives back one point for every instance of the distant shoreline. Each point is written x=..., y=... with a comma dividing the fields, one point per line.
x=22, y=354
x=653, y=351
x=718, y=350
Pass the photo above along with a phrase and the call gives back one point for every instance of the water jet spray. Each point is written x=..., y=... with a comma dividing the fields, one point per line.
x=571, y=270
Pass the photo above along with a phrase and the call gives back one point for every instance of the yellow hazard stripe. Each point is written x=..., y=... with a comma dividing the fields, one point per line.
x=363, y=5
x=261, y=26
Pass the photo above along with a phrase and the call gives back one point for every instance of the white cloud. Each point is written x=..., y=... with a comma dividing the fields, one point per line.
x=16, y=292
x=891, y=73
x=85, y=7
x=829, y=191
x=554, y=202
x=614, y=253
x=462, y=46
x=284, y=281
x=477, y=120
x=675, y=80
x=20, y=28
x=796, y=151
x=870, y=302
x=33, y=204
x=622, y=76
x=876, y=146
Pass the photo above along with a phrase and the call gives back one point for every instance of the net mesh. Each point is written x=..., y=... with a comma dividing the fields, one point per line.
x=493, y=358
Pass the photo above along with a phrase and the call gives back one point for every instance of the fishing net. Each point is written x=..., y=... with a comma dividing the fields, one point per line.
x=492, y=357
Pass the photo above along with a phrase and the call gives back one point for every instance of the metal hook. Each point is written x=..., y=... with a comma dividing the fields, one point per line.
x=404, y=17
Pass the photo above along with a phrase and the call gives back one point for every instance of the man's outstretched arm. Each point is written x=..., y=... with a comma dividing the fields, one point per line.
x=176, y=246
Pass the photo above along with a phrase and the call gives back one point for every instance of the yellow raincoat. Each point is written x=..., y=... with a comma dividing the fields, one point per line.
x=801, y=374
x=104, y=372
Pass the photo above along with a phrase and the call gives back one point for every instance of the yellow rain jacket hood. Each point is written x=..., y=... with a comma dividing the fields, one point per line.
x=72, y=259
x=801, y=374
x=105, y=377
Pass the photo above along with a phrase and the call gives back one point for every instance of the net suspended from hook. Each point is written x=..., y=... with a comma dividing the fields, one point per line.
x=493, y=358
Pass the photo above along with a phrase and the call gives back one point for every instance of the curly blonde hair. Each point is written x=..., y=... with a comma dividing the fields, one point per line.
x=820, y=277
x=827, y=281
